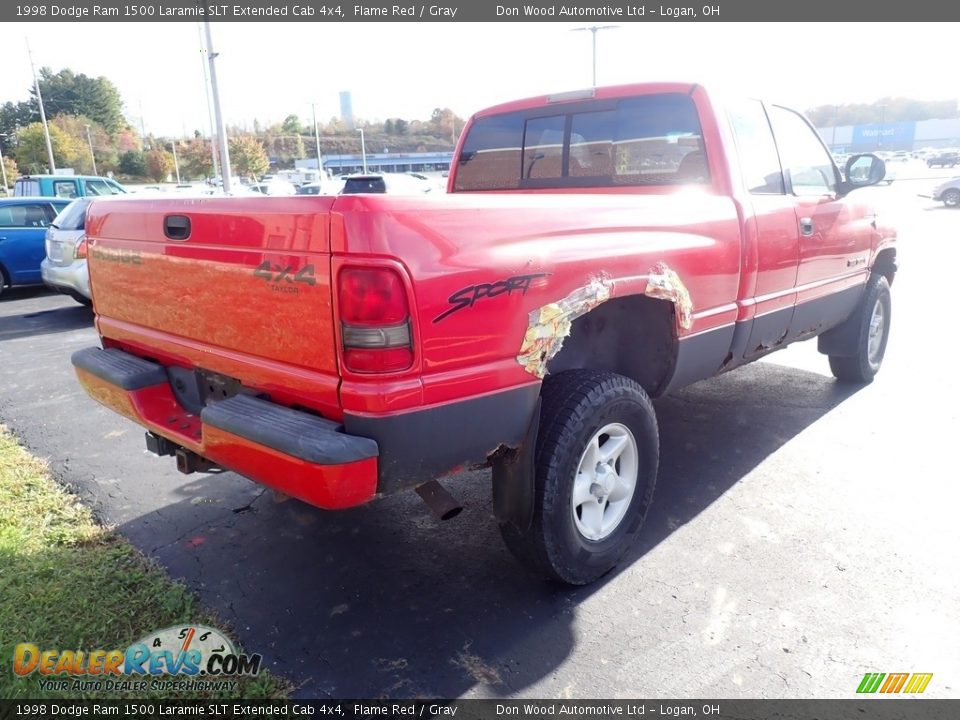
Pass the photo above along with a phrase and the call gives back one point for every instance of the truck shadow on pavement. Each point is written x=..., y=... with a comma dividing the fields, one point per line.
x=386, y=601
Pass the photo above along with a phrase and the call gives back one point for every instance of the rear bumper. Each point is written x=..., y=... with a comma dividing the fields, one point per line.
x=67, y=277
x=294, y=452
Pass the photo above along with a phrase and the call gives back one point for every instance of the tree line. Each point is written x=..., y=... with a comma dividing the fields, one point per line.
x=85, y=112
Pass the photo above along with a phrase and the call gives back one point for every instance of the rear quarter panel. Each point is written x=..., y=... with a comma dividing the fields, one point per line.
x=478, y=245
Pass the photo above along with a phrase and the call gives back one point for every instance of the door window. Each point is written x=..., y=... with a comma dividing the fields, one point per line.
x=806, y=162
x=65, y=188
x=25, y=216
x=759, y=162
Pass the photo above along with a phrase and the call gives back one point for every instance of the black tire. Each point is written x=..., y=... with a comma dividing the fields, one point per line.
x=576, y=405
x=951, y=198
x=3, y=280
x=864, y=363
x=82, y=299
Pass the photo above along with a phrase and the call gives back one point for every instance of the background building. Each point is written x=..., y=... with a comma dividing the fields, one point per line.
x=910, y=136
x=381, y=162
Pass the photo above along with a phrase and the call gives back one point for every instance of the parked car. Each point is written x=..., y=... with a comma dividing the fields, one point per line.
x=945, y=159
x=23, y=226
x=65, y=266
x=274, y=187
x=328, y=187
x=392, y=183
x=65, y=186
x=948, y=193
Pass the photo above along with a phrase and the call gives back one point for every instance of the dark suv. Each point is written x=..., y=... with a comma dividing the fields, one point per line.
x=947, y=159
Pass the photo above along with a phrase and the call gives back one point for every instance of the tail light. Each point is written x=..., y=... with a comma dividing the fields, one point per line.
x=374, y=320
x=80, y=251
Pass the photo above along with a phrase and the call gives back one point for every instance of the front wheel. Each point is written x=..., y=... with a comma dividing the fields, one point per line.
x=874, y=329
x=951, y=198
x=596, y=465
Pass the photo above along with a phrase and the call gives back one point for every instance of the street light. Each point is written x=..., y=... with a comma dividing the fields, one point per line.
x=92, y=158
x=3, y=167
x=176, y=163
x=593, y=31
x=363, y=150
x=218, y=114
x=316, y=135
x=43, y=115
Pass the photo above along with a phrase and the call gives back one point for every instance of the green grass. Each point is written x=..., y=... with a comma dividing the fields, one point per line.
x=67, y=583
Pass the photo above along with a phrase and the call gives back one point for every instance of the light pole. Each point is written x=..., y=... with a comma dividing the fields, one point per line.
x=43, y=115
x=363, y=150
x=3, y=167
x=206, y=96
x=593, y=31
x=176, y=163
x=316, y=135
x=90, y=144
x=221, y=128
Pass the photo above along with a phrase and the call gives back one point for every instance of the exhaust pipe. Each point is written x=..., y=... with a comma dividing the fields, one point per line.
x=442, y=503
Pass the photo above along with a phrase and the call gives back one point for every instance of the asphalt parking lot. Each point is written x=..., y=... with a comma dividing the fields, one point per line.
x=803, y=532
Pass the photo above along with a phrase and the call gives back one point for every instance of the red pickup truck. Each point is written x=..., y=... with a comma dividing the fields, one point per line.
x=594, y=249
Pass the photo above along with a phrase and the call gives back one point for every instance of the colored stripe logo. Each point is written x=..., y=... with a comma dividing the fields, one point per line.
x=913, y=683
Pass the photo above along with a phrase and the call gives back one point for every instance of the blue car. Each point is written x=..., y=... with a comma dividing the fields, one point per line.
x=23, y=227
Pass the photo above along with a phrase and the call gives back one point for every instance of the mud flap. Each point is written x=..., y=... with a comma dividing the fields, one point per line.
x=514, y=488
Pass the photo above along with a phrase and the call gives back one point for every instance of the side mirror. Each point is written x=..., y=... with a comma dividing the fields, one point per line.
x=863, y=171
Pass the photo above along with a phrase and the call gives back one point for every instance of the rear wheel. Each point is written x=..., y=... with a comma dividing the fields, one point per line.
x=596, y=466
x=873, y=332
x=951, y=198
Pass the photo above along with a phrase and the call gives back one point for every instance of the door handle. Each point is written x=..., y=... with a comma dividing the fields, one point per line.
x=806, y=227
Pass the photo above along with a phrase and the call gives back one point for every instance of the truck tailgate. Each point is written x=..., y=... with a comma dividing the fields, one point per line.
x=244, y=278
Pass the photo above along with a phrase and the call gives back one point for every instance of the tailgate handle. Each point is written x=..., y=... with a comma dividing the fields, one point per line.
x=176, y=227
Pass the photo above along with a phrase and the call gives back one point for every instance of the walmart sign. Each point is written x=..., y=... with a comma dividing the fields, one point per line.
x=886, y=136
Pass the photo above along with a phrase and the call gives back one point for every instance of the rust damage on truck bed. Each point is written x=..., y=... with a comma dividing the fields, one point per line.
x=663, y=283
x=550, y=324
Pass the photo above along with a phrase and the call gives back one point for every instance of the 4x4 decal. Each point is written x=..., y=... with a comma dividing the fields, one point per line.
x=277, y=273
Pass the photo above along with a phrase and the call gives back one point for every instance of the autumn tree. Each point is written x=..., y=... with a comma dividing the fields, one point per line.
x=196, y=159
x=891, y=109
x=247, y=156
x=159, y=164
x=10, y=167
x=31, y=154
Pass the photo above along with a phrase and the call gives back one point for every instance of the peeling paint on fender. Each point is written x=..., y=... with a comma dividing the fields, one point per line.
x=550, y=324
x=664, y=283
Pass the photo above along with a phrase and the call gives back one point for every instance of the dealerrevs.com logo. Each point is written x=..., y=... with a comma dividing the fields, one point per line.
x=182, y=657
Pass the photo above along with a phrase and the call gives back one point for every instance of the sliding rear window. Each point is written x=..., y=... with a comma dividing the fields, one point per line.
x=644, y=140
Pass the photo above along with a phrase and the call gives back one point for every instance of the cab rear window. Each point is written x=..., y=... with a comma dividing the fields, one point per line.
x=644, y=140
x=364, y=185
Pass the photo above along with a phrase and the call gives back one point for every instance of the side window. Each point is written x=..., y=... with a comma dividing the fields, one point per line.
x=490, y=158
x=115, y=189
x=806, y=162
x=65, y=188
x=659, y=142
x=25, y=216
x=759, y=162
x=97, y=187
